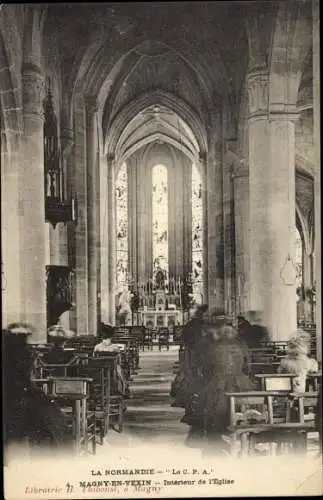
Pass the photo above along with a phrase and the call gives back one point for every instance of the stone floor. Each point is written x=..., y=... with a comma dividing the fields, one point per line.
x=150, y=419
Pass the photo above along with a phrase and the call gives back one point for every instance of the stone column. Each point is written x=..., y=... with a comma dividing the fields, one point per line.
x=132, y=219
x=258, y=198
x=187, y=217
x=149, y=225
x=228, y=235
x=272, y=210
x=81, y=253
x=317, y=183
x=171, y=175
x=92, y=176
x=143, y=177
x=104, y=246
x=32, y=205
x=214, y=220
x=11, y=274
x=205, y=230
x=214, y=187
x=65, y=231
x=112, y=240
x=179, y=217
x=242, y=239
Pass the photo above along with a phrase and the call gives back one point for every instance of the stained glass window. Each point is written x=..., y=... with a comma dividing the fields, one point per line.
x=197, y=235
x=122, y=228
x=160, y=216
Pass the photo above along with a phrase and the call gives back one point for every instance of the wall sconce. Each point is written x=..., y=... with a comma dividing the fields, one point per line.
x=288, y=272
x=3, y=278
x=57, y=209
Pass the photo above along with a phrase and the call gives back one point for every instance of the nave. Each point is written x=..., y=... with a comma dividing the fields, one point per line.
x=150, y=419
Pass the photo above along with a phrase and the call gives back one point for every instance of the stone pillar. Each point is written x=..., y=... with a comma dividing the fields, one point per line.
x=317, y=181
x=187, y=217
x=258, y=198
x=132, y=219
x=11, y=274
x=179, y=218
x=272, y=210
x=143, y=178
x=92, y=177
x=205, y=230
x=104, y=246
x=214, y=188
x=112, y=240
x=214, y=220
x=149, y=224
x=32, y=205
x=81, y=253
x=171, y=175
x=242, y=239
x=228, y=235
x=67, y=240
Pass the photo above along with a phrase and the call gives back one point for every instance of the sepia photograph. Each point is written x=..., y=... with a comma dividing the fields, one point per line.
x=161, y=249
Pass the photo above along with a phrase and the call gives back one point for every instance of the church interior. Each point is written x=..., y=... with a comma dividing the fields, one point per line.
x=160, y=181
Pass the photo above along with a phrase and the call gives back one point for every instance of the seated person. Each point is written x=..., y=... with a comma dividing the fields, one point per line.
x=120, y=385
x=106, y=346
x=297, y=362
x=57, y=355
x=29, y=415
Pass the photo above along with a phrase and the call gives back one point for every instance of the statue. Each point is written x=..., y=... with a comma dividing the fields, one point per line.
x=125, y=305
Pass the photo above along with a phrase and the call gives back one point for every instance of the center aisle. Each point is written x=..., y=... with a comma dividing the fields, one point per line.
x=150, y=418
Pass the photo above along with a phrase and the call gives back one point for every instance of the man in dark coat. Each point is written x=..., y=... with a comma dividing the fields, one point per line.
x=253, y=335
x=318, y=417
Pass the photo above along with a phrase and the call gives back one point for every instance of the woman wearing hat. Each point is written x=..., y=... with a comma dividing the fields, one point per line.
x=29, y=416
x=57, y=355
x=222, y=366
x=224, y=371
x=297, y=362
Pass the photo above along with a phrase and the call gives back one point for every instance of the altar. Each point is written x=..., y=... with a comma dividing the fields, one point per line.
x=160, y=302
x=151, y=318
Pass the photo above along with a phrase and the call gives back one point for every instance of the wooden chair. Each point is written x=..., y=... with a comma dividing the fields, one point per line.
x=148, y=340
x=302, y=411
x=99, y=397
x=73, y=396
x=115, y=401
x=265, y=426
x=163, y=338
x=178, y=336
x=276, y=381
x=44, y=370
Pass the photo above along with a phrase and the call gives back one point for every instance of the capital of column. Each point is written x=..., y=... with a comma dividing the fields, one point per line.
x=258, y=91
x=91, y=104
x=240, y=169
x=283, y=112
x=33, y=93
